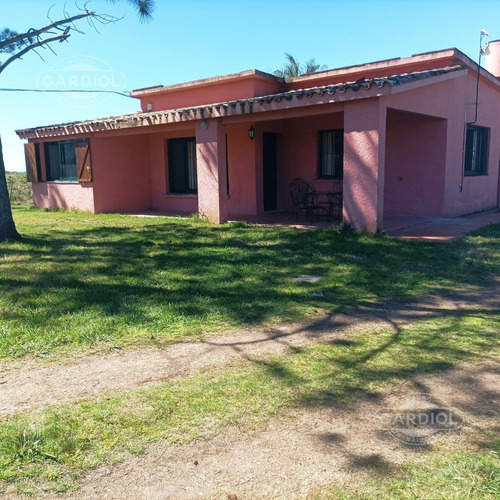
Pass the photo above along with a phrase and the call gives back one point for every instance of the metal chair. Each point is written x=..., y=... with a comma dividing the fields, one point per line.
x=304, y=198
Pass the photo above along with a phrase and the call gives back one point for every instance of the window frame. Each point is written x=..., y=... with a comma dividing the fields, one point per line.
x=338, y=171
x=172, y=188
x=49, y=168
x=473, y=155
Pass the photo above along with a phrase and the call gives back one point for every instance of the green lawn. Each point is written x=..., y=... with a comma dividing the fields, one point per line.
x=456, y=476
x=79, y=280
x=58, y=444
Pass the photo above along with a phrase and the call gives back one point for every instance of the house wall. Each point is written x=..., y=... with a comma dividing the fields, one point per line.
x=121, y=173
x=161, y=198
x=67, y=195
x=299, y=153
x=414, y=164
x=208, y=93
x=377, y=69
x=447, y=100
x=242, y=199
x=242, y=170
x=479, y=192
x=364, y=164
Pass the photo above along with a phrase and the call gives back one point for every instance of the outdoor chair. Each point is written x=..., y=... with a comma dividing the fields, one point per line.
x=305, y=199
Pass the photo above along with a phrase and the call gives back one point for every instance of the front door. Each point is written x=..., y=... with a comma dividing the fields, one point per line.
x=270, y=165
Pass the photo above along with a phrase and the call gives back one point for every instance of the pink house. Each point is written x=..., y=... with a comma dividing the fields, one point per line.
x=399, y=136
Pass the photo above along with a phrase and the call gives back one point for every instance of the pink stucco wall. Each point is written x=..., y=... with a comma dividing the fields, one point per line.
x=211, y=168
x=414, y=164
x=122, y=177
x=68, y=195
x=161, y=198
x=242, y=171
x=195, y=94
x=447, y=100
x=364, y=162
x=300, y=152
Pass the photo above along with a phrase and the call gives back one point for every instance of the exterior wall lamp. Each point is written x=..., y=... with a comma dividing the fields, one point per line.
x=251, y=133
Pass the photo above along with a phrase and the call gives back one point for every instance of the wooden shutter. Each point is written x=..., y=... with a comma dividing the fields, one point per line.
x=83, y=165
x=31, y=162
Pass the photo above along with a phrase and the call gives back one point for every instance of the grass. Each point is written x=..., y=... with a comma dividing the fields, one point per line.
x=459, y=476
x=20, y=192
x=57, y=445
x=80, y=281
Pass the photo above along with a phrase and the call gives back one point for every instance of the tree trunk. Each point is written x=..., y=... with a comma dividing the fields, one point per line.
x=7, y=227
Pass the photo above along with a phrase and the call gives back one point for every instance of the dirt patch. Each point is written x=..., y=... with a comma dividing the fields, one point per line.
x=33, y=382
x=302, y=452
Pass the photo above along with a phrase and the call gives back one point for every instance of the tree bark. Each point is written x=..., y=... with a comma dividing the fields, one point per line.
x=8, y=229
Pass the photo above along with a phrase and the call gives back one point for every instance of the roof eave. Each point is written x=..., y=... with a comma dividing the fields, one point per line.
x=214, y=80
x=273, y=102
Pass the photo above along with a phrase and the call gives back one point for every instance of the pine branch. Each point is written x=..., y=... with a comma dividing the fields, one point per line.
x=32, y=33
x=41, y=43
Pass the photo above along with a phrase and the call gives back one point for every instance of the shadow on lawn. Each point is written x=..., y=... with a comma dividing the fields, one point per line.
x=177, y=276
x=349, y=375
x=412, y=341
x=184, y=275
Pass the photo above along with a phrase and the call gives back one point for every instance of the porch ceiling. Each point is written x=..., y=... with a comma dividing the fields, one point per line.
x=284, y=100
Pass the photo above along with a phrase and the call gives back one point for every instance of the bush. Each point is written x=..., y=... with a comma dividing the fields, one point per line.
x=19, y=188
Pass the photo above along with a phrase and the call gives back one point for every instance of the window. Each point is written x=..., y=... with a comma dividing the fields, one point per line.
x=182, y=165
x=476, y=151
x=331, y=153
x=60, y=160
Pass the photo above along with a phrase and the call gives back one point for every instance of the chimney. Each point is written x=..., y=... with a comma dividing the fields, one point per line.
x=492, y=61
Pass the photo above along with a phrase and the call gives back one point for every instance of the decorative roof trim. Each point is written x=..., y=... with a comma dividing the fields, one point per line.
x=230, y=108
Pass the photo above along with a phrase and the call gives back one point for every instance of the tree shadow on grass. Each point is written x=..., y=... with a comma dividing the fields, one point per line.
x=161, y=277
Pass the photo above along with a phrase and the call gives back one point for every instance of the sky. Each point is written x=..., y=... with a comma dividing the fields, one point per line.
x=193, y=39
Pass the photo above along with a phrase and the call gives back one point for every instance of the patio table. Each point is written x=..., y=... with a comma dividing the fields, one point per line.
x=331, y=200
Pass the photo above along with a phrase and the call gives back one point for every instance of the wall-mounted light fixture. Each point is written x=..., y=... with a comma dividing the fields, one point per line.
x=251, y=133
x=204, y=124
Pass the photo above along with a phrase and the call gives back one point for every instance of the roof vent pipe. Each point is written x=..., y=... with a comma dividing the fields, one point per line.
x=492, y=62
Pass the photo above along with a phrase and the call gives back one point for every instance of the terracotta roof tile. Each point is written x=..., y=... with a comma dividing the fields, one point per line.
x=245, y=105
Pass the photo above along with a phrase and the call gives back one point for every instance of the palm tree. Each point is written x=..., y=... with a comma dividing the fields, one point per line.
x=293, y=68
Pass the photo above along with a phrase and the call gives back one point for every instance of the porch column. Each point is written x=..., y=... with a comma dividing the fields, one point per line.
x=211, y=170
x=364, y=164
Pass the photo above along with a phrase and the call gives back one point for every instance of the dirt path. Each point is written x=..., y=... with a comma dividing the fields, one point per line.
x=31, y=383
x=296, y=454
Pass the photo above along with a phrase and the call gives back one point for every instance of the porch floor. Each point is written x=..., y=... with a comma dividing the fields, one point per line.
x=443, y=229
x=281, y=218
x=440, y=229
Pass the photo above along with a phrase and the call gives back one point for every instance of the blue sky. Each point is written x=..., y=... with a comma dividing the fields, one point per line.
x=193, y=39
